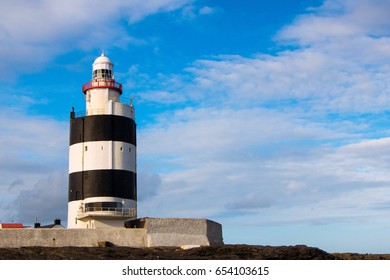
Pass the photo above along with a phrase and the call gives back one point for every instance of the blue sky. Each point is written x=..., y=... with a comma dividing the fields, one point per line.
x=270, y=117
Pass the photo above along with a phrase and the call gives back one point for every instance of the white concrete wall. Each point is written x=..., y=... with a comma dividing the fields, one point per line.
x=98, y=98
x=121, y=109
x=106, y=101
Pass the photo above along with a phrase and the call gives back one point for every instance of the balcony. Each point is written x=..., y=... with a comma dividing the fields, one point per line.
x=103, y=84
x=112, y=213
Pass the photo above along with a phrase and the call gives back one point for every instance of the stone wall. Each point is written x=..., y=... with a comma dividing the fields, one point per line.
x=71, y=237
x=145, y=232
x=178, y=232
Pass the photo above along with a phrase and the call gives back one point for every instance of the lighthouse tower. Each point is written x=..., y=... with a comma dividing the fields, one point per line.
x=102, y=155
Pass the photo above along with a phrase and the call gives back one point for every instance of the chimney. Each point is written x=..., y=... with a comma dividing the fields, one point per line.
x=36, y=224
x=57, y=221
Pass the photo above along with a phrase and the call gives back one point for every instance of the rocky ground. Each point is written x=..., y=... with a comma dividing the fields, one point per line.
x=225, y=252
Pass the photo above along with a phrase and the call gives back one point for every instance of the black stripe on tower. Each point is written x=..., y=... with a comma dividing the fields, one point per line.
x=92, y=183
x=102, y=128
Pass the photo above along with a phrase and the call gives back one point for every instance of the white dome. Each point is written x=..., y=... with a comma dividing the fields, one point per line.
x=102, y=59
x=102, y=68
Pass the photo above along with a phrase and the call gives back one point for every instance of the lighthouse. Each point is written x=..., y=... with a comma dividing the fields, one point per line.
x=102, y=154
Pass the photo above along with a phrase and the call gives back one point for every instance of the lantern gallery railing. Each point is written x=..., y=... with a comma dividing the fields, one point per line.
x=102, y=84
x=108, y=211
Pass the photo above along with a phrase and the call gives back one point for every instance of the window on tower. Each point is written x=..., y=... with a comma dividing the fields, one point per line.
x=102, y=206
x=102, y=74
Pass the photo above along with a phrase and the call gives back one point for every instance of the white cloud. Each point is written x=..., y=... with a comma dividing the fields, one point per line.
x=33, y=153
x=310, y=79
x=226, y=133
x=206, y=10
x=281, y=138
x=35, y=32
x=295, y=186
x=313, y=78
x=192, y=11
x=138, y=9
x=339, y=65
x=339, y=20
x=292, y=181
x=45, y=200
x=189, y=12
x=236, y=159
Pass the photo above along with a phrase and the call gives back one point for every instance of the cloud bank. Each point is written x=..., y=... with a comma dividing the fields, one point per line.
x=34, y=33
x=294, y=136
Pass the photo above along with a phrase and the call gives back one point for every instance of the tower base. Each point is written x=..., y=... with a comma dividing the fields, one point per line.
x=144, y=232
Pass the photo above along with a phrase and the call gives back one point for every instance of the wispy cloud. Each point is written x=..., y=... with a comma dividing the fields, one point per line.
x=283, y=133
x=33, y=148
x=337, y=63
x=33, y=33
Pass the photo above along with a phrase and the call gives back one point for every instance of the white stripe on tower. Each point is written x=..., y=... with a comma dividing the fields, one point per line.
x=95, y=155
